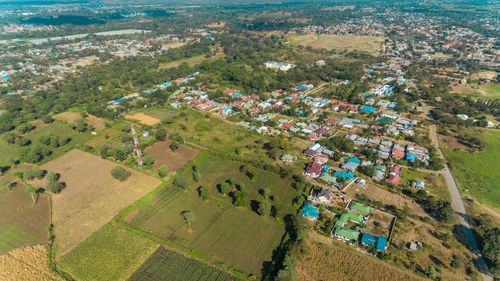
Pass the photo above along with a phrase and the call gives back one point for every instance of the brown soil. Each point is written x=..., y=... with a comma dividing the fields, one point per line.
x=163, y=155
x=143, y=118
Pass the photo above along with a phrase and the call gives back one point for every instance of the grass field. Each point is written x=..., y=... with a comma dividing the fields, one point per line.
x=8, y=152
x=163, y=155
x=26, y=263
x=109, y=136
x=60, y=129
x=237, y=236
x=434, y=183
x=111, y=254
x=90, y=197
x=91, y=120
x=192, y=61
x=478, y=173
x=321, y=262
x=165, y=265
x=369, y=44
x=21, y=221
x=492, y=91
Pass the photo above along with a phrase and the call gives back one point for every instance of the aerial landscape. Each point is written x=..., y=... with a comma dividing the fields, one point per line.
x=249, y=140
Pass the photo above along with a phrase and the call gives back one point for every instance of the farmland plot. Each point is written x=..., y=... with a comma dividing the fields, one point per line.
x=174, y=160
x=92, y=196
x=165, y=265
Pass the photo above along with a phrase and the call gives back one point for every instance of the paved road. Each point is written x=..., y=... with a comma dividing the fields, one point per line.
x=458, y=206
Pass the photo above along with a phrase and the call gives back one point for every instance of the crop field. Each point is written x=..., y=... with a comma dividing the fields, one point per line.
x=26, y=263
x=90, y=197
x=61, y=129
x=237, y=236
x=165, y=265
x=434, y=182
x=111, y=254
x=369, y=44
x=478, y=173
x=143, y=119
x=174, y=160
x=21, y=221
x=321, y=262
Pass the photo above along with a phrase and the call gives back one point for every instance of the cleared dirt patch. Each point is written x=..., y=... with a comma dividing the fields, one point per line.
x=378, y=223
x=163, y=155
x=92, y=196
x=21, y=221
x=68, y=116
x=96, y=122
x=143, y=118
x=27, y=263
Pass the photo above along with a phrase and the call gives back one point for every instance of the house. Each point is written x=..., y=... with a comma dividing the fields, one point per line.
x=288, y=158
x=397, y=153
x=313, y=170
x=310, y=212
x=344, y=175
x=380, y=242
x=347, y=235
x=360, y=208
x=392, y=179
x=327, y=178
x=327, y=152
x=320, y=159
x=419, y=184
x=324, y=196
x=395, y=170
x=311, y=153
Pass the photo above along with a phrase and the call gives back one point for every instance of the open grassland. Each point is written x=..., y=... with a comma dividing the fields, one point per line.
x=21, y=221
x=83, y=61
x=224, y=136
x=7, y=152
x=237, y=236
x=92, y=196
x=161, y=113
x=109, y=136
x=109, y=254
x=70, y=117
x=369, y=44
x=434, y=182
x=60, y=129
x=26, y=264
x=165, y=265
x=321, y=262
x=478, y=173
x=491, y=91
x=192, y=61
x=174, y=160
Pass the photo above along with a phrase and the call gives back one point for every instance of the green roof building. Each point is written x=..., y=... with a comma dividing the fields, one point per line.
x=360, y=208
x=328, y=178
x=288, y=158
x=348, y=234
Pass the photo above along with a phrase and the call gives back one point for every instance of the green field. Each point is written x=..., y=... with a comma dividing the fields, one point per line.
x=21, y=221
x=111, y=253
x=237, y=236
x=492, y=91
x=165, y=265
x=7, y=152
x=478, y=172
x=434, y=183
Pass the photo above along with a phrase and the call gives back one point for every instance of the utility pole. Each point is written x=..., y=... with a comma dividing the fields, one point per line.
x=136, y=143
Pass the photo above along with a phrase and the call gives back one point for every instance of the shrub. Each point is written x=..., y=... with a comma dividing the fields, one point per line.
x=225, y=188
x=120, y=173
x=161, y=134
x=163, y=170
x=181, y=182
x=55, y=186
x=51, y=176
x=203, y=192
x=264, y=208
x=148, y=160
x=34, y=173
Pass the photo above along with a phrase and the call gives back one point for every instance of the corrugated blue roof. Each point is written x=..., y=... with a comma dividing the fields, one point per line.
x=310, y=211
x=368, y=109
x=381, y=243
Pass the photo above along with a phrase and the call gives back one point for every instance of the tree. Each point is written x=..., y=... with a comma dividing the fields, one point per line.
x=148, y=160
x=161, y=134
x=284, y=143
x=120, y=173
x=47, y=119
x=288, y=270
x=55, y=186
x=51, y=176
x=34, y=192
x=33, y=173
x=266, y=192
x=181, y=182
x=103, y=151
x=490, y=247
x=430, y=272
x=250, y=174
x=239, y=199
x=203, y=192
x=225, y=188
x=174, y=146
x=445, y=212
x=189, y=217
x=163, y=171
x=238, y=150
x=264, y=208
x=196, y=177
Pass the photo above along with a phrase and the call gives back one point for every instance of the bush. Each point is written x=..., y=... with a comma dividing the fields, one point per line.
x=163, y=171
x=120, y=173
x=174, y=146
x=264, y=208
x=51, y=176
x=225, y=188
x=148, y=160
x=55, y=186
x=181, y=182
x=34, y=173
x=161, y=134
x=203, y=192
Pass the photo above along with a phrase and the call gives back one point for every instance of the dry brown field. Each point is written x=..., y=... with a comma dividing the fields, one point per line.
x=92, y=196
x=331, y=262
x=370, y=44
x=26, y=264
x=163, y=155
x=70, y=117
x=387, y=197
x=143, y=119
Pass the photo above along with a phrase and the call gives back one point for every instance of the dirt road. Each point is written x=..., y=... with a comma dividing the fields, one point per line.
x=459, y=208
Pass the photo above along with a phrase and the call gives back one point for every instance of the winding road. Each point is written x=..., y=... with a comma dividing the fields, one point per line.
x=459, y=208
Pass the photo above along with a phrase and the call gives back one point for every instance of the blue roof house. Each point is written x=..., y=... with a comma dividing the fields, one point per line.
x=310, y=212
x=368, y=109
x=379, y=242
